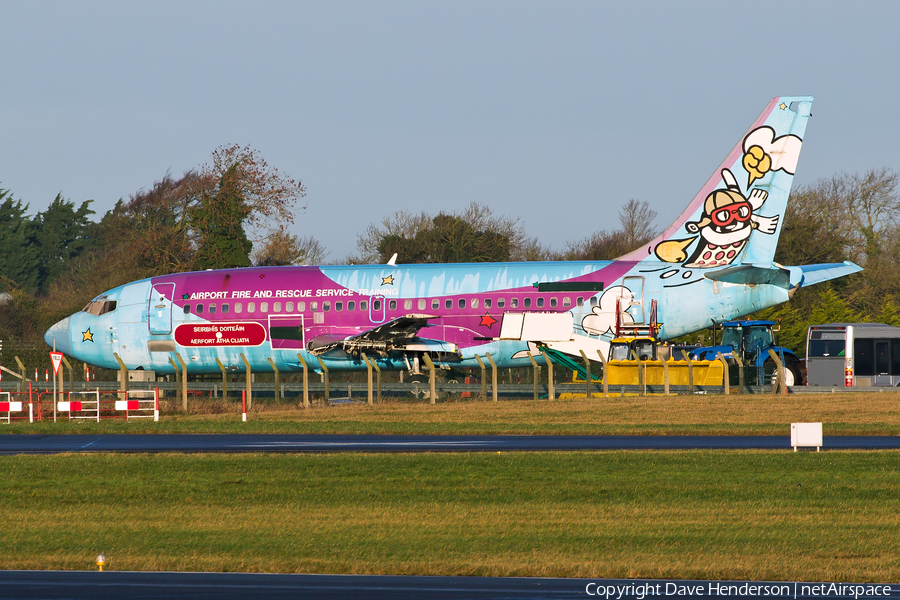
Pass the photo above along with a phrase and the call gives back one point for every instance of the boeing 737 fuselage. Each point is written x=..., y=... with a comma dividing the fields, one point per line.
x=715, y=263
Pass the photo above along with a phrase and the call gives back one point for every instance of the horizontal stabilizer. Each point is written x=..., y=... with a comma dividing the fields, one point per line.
x=813, y=274
x=753, y=275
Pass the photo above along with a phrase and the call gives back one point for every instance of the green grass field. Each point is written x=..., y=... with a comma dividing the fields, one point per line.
x=842, y=414
x=695, y=514
x=770, y=515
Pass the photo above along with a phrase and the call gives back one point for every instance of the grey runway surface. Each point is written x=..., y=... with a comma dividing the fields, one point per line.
x=236, y=443
x=84, y=585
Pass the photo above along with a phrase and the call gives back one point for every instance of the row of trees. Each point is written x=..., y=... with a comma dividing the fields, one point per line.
x=55, y=262
x=36, y=250
x=232, y=212
x=847, y=217
x=478, y=235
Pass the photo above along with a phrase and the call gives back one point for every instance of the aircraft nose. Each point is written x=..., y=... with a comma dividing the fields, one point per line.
x=60, y=333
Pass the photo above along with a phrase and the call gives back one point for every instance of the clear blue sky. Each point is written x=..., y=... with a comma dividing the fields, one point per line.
x=555, y=112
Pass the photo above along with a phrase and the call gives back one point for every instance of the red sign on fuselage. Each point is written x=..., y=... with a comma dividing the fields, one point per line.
x=220, y=334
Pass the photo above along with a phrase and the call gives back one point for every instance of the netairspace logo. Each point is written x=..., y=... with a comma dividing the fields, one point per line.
x=719, y=589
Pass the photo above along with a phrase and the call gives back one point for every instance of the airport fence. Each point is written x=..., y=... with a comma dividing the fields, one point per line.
x=37, y=405
x=96, y=401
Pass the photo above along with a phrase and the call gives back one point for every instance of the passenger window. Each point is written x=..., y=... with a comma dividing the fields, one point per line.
x=301, y=306
x=540, y=303
x=339, y=306
x=593, y=300
x=501, y=302
x=422, y=304
x=514, y=303
x=474, y=302
x=238, y=307
x=580, y=301
x=363, y=305
x=225, y=308
x=407, y=305
x=462, y=303
x=264, y=307
x=527, y=303
x=567, y=302
x=187, y=309
x=392, y=305
x=435, y=304
x=314, y=306
x=251, y=307
x=376, y=304
x=326, y=306
x=552, y=302
x=276, y=307
x=351, y=305
x=289, y=307
x=199, y=309
x=448, y=303
x=212, y=309
x=487, y=302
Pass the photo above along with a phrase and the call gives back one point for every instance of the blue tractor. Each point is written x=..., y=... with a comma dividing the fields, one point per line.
x=751, y=342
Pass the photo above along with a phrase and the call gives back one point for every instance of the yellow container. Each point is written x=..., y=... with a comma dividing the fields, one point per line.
x=652, y=372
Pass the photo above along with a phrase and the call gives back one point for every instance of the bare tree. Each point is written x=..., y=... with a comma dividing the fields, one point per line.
x=635, y=229
x=636, y=221
x=283, y=248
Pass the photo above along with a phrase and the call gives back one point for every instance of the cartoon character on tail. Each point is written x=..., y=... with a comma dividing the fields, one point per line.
x=727, y=221
x=726, y=224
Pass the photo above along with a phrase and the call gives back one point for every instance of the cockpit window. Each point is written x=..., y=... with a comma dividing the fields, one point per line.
x=100, y=307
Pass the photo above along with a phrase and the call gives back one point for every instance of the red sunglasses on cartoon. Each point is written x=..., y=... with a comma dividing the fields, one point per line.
x=727, y=215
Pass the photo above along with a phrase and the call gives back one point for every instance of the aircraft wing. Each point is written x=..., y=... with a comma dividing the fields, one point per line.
x=400, y=334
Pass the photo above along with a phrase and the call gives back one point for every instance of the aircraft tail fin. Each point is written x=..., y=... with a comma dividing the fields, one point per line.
x=738, y=214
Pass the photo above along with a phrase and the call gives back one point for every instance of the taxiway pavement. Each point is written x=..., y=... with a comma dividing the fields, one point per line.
x=237, y=443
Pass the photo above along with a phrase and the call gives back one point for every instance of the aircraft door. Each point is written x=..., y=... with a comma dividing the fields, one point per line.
x=636, y=306
x=286, y=332
x=882, y=362
x=376, y=309
x=160, y=308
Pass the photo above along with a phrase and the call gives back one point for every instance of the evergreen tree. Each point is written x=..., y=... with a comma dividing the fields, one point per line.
x=60, y=234
x=888, y=314
x=450, y=239
x=19, y=262
x=219, y=222
x=473, y=235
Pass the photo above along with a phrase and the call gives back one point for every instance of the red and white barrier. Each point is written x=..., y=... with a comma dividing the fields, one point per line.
x=140, y=404
x=89, y=408
x=9, y=407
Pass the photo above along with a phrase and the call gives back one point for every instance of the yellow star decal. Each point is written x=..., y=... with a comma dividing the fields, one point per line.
x=782, y=106
x=88, y=336
x=389, y=280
